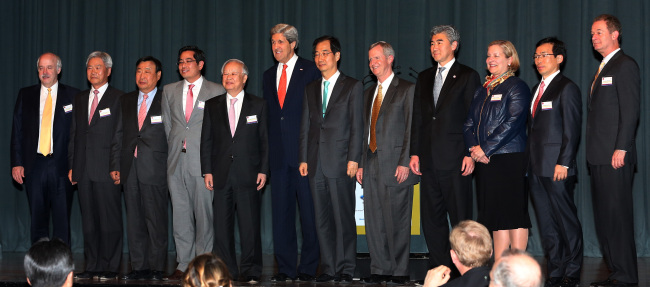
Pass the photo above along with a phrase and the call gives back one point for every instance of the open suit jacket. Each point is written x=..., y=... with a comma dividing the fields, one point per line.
x=554, y=133
x=246, y=154
x=393, y=130
x=336, y=138
x=150, y=140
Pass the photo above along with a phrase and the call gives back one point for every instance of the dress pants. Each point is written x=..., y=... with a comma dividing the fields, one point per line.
x=559, y=225
x=334, y=201
x=388, y=221
x=613, y=203
x=192, y=213
x=289, y=186
x=146, y=222
x=101, y=217
x=244, y=202
x=48, y=193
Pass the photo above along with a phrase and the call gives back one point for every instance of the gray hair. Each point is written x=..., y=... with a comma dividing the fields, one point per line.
x=517, y=268
x=288, y=31
x=388, y=49
x=450, y=31
x=58, y=60
x=244, y=68
x=106, y=58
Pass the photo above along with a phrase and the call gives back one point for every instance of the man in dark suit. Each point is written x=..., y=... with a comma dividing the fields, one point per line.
x=331, y=133
x=93, y=125
x=139, y=162
x=284, y=86
x=553, y=135
x=443, y=95
x=182, y=111
x=234, y=162
x=39, y=149
x=384, y=170
x=612, y=119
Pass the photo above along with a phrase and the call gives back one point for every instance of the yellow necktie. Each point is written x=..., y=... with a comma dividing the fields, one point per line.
x=602, y=64
x=373, y=119
x=46, y=126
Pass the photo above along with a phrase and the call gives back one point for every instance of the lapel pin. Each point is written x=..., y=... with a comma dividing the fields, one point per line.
x=454, y=76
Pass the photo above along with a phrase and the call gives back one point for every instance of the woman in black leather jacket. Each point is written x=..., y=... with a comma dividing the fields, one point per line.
x=495, y=135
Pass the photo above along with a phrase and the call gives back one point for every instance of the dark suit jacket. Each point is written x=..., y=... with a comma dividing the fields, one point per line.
x=554, y=134
x=150, y=140
x=246, y=154
x=613, y=111
x=284, y=123
x=475, y=277
x=337, y=138
x=90, y=144
x=393, y=130
x=25, y=130
x=438, y=130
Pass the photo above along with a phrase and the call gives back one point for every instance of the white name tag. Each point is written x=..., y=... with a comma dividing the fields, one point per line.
x=156, y=119
x=201, y=105
x=547, y=106
x=496, y=98
x=67, y=108
x=105, y=112
x=607, y=81
x=251, y=119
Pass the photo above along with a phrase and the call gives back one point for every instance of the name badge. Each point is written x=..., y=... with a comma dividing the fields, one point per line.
x=201, y=105
x=156, y=119
x=251, y=119
x=496, y=98
x=67, y=108
x=105, y=112
x=547, y=106
x=607, y=81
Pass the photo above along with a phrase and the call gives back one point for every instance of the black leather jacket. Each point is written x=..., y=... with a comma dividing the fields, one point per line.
x=498, y=122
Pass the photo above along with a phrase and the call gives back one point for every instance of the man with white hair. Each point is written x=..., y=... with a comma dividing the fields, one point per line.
x=516, y=268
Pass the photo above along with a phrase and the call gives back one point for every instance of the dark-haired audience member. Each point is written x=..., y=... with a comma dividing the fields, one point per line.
x=48, y=263
x=471, y=250
x=516, y=268
x=139, y=162
x=182, y=112
x=207, y=270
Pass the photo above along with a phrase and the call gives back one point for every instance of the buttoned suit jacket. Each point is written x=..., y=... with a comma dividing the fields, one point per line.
x=150, y=140
x=437, y=134
x=246, y=154
x=178, y=130
x=613, y=111
x=392, y=130
x=554, y=133
x=90, y=144
x=25, y=129
x=335, y=139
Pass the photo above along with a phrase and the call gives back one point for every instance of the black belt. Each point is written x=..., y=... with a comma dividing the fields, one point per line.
x=41, y=155
x=183, y=150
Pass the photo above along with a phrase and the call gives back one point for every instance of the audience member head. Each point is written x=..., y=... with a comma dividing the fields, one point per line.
x=471, y=244
x=48, y=263
x=516, y=268
x=206, y=270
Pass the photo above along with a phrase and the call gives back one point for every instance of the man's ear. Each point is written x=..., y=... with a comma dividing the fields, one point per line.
x=69, y=280
x=29, y=282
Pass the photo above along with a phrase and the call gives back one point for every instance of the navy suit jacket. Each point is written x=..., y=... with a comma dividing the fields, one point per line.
x=284, y=123
x=554, y=132
x=25, y=130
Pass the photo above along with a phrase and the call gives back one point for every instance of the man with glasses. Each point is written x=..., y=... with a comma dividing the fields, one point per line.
x=182, y=111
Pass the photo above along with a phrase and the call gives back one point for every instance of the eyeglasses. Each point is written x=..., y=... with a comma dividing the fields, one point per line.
x=324, y=54
x=180, y=62
x=543, y=55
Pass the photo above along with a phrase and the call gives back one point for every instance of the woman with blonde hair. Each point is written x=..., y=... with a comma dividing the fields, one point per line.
x=207, y=270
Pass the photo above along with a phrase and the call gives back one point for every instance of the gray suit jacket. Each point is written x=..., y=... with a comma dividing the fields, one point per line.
x=178, y=130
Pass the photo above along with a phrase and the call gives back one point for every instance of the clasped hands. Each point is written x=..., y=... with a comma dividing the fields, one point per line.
x=478, y=155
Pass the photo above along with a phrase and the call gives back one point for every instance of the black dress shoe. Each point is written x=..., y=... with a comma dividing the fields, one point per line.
x=376, y=279
x=252, y=279
x=156, y=275
x=176, y=276
x=108, y=276
x=570, y=282
x=280, y=277
x=611, y=283
x=137, y=275
x=398, y=280
x=325, y=278
x=553, y=282
x=303, y=277
x=86, y=275
x=345, y=279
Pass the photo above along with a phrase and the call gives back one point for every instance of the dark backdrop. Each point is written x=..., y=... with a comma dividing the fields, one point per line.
x=128, y=30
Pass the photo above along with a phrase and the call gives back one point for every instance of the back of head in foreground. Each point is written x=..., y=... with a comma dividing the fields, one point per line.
x=516, y=268
x=207, y=270
x=49, y=264
x=471, y=245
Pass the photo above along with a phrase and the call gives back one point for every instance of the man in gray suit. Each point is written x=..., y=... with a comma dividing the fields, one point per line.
x=329, y=152
x=182, y=110
x=384, y=169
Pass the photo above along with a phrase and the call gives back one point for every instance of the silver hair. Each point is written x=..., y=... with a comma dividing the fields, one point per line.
x=388, y=49
x=58, y=61
x=106, y=58
x=244, y=68
x=288, y=31
x=507, y=274
x=450, y=31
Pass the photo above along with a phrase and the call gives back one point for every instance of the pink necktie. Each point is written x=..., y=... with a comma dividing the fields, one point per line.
x=93, y=106
x=231, y=116
x=539, y=96
x=142, y=113
x=189, y=103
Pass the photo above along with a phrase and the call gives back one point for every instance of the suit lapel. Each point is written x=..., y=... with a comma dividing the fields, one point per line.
x=336, y=92
x=103, y=104
x=155, y=109
x=245, y=110
x=446, y=86
x=390, y=94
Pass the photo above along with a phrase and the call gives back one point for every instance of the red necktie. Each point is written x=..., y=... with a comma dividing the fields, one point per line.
x=539, y=96
x=282, y=87
x=142, y=113
x=93, y=106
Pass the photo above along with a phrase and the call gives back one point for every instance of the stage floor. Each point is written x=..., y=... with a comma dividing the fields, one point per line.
x=12, y=274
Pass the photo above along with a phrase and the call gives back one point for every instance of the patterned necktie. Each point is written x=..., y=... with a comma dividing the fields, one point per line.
x=46, y=125
x=437, y=85
x=326, y=84
x=282, y=87
x=539, y=96
x=602, y=64
x=231, y=117
x=142, y=113
x=93, y=106
x=189, y=103
x=376, y=105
